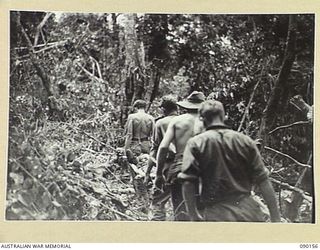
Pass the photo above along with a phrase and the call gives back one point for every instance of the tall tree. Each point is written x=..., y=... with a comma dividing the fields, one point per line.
x=155, y=30
x=146, y=56
x=281, y=83
x=34, y=60
x=132, y=71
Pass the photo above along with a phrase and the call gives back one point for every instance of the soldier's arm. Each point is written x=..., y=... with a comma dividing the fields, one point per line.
x=129, y=131
x=155, y=141
x=151, y=164
x=164, y=148
x=260, y=177
x=269, y=197
x=189, y=196
x=189, y=176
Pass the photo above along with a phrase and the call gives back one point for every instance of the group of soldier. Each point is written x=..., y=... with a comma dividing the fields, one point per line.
x=207, y=169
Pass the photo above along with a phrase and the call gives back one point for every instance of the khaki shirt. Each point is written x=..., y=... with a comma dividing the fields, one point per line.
x=139, y=126
x=228, y=163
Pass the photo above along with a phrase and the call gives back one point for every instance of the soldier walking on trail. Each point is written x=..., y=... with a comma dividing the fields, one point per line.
x=139, y=129
x=179, y=131
x=160, y=197
x=228, y=164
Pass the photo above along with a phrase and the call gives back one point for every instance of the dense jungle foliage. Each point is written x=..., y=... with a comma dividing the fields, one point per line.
x=74, y=77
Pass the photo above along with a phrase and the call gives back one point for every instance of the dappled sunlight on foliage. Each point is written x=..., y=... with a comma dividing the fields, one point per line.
x=73, y=84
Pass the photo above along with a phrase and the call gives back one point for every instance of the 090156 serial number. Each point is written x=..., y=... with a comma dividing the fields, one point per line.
x=308, y=246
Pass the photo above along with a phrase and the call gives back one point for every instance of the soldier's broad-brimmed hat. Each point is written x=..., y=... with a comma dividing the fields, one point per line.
x=193, y=101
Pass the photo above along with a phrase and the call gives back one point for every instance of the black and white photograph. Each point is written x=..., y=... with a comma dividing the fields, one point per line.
x=160, y=117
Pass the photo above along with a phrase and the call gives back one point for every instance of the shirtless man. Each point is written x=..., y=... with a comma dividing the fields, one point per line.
x=160, y=197
x=179, y=131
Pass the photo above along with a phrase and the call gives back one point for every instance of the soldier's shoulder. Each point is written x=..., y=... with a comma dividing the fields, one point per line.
x=198, y=139
x=242, y=137
x=166, y=119
x=150, y=117
x=180, y=118
x=173, y=121
x=132, y=115
x=204, y=135
x=159, y=118
x=160, y=121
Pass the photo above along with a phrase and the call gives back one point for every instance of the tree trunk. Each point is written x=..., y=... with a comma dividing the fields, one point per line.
x=34, y=60
x=143, y=68
x=269, y=114
x=104, y=51
x=55, y=109
x=133, y=84
x=157, y=55
x=40, y=27
x=153, y=80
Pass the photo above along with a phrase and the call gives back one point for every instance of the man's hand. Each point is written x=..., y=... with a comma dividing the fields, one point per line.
x=151, y=164
x=159, y=182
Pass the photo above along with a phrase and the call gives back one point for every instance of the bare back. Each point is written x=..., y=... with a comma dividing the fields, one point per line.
x=183, y=126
